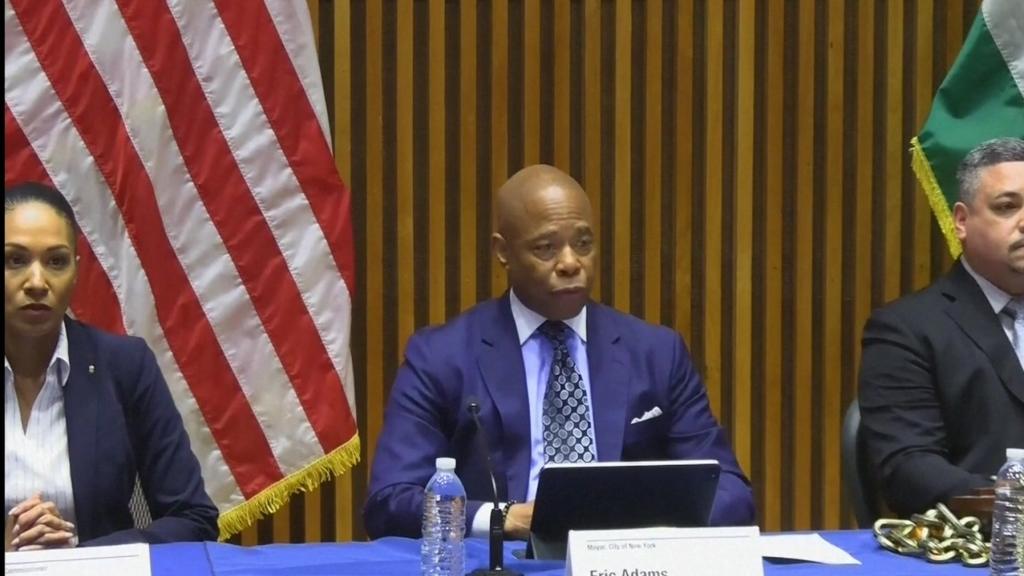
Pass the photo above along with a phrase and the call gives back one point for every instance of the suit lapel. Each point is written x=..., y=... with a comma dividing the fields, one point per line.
x=609, y=381
x=81, y=412
x=501, y=365
x=972, y=312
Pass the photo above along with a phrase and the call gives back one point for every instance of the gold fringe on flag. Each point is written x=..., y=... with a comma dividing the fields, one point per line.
x=268, y=501
x=943, y=215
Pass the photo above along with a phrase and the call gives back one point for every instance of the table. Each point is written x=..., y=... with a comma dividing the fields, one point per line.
x=400, y=556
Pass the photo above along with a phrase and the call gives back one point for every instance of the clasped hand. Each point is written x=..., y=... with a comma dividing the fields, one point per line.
x=35, y=524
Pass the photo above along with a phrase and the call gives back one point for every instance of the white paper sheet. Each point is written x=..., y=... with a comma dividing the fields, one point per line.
x=807, y=547
x=129, y=559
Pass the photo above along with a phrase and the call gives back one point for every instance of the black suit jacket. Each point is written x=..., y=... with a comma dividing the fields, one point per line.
x=941, y=393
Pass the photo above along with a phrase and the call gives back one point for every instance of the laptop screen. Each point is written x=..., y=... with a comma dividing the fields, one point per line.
x=612, y=495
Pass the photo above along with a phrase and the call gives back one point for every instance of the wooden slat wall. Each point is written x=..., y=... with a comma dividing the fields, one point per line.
x=747, y=163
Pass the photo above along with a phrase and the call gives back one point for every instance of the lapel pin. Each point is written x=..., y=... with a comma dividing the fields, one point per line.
x=92, y=369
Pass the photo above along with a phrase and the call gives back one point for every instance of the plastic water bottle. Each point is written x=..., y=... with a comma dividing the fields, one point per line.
x=1008, y=517
x=444, y=523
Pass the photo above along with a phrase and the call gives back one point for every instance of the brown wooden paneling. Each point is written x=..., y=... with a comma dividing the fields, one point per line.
x=502, y=138
x=894, y=144
x=438, y=199
x=770, y=302
x=653, y=128
x=683, y=190
x=710, y=229
x=801, y=433
x=742, y=199
x=561, y=84
x=621, y=140
x=747, y=166
x=831, y=283
x=592, y=116
x=405, y=220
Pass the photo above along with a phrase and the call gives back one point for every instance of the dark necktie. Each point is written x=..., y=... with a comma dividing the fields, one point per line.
x=1015, y=310
x=566, y=417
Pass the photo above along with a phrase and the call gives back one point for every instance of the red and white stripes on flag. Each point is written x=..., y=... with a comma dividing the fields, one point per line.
x=191, y=139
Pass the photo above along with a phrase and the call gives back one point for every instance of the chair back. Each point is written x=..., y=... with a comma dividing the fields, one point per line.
x=858, y=474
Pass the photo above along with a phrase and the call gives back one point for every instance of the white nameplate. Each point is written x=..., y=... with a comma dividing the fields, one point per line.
x=665, y=552
x=91, y=561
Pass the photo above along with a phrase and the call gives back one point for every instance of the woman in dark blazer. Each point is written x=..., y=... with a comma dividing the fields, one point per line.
x=86, y=412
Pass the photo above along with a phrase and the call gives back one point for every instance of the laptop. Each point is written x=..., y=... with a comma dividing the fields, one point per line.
x=618, y=495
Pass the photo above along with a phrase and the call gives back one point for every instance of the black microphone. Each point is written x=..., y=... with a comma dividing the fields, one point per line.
x=497, y=528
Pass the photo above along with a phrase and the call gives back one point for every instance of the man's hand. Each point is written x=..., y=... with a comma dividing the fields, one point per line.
x=38, y=524
x=517, y=521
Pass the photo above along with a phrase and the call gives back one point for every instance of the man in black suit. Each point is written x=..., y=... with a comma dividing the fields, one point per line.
x=942, y=371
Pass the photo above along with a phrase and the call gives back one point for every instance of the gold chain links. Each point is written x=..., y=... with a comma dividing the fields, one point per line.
x=937, y=535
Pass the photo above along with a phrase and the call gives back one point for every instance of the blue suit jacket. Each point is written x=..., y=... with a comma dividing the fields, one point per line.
x=121, y=421
x=634, y=366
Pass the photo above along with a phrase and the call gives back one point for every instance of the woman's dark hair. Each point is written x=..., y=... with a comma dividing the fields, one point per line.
x=25, y=192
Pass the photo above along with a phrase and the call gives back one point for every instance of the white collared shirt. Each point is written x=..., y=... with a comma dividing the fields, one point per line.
x=36, y=457
x=996, y=298
x=537, y=358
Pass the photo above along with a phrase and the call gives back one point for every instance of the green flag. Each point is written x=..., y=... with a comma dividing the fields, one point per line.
x=981, y=98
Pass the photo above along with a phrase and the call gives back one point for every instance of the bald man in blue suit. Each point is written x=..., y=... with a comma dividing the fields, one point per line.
x=642, y=396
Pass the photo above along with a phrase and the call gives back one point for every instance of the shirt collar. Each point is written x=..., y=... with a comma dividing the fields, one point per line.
x=996, y=297
x=527, y=321
x=59, y=361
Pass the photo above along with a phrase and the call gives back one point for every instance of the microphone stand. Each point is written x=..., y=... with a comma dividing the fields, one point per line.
x=497, y=527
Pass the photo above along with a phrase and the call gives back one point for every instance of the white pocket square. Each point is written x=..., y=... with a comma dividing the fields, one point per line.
x=652, y=413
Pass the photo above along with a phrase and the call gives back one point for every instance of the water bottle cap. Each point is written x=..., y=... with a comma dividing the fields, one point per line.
x=445, y=463
x=1015, y=453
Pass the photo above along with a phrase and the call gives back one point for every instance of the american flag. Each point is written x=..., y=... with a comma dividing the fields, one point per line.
x=191, y=138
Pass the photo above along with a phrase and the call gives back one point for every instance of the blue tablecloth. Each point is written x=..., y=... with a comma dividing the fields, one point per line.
x=400, y=556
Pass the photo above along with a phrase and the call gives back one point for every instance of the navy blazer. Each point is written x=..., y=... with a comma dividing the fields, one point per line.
x=634, y=367
x=122, y=422
x=941, y=393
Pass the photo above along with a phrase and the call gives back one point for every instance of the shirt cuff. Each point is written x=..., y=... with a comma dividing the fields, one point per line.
x=481, y=527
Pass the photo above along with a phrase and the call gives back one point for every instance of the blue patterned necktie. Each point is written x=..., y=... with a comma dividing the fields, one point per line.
x=566, y=416
x=1015, y=310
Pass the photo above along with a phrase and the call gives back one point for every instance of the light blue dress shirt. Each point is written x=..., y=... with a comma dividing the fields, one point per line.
x=537, y=357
